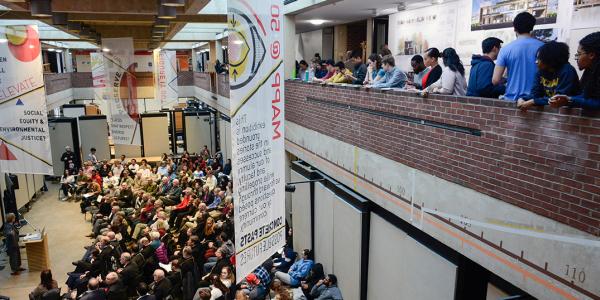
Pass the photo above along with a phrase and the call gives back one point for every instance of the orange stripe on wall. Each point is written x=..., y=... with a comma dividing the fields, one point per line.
x=437, y=224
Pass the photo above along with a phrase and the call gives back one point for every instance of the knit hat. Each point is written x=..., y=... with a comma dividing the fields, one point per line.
x=251, y=278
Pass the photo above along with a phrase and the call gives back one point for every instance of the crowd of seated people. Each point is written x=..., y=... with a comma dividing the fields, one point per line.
x=526, y=71
x=167, y=232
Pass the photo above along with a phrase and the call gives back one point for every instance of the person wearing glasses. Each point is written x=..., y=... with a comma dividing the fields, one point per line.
x=555, y=75
x=588, y=60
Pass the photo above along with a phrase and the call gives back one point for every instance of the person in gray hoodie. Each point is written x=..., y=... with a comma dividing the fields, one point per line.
x=327, y=289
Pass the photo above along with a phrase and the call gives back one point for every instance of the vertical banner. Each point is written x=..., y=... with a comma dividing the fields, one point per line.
x=99, y=77
x=24, y=136
x=257, y=127
x=165, y=78
x=124, y=116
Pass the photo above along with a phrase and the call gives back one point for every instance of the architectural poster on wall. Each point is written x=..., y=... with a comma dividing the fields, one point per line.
x=414, y=31
x=494, y=14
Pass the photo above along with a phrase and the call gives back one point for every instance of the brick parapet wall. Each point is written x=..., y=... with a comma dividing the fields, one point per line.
x=185, y=78
x=202, y=80
x=57, y=82
x=223, y=85
x=546, y=161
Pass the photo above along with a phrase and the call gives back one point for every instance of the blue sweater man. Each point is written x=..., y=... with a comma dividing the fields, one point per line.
x=482, y=71
x=480, y=78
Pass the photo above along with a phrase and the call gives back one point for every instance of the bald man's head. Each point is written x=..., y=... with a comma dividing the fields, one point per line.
x=110, y=235
x=111, y=278
x=158, y=275
x=93, y=284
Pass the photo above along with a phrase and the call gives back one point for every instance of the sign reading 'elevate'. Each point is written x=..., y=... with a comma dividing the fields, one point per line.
x=24, y=136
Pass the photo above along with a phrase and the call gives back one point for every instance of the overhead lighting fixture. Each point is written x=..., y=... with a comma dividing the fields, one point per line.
x=105, y=50
x=167, y=12
x=41, y=8
x=316, y=22
x=58, y=50
x=51, y=49
x=59, y=18
x=437, y=1
x=174, y=3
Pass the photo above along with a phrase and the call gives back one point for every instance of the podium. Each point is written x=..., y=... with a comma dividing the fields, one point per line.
x=37, y=253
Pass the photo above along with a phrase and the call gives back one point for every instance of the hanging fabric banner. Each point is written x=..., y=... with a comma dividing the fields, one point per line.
x=24, y=136
x=257, y=127
x=99, y=77
x=124, y=115
x=165, y=78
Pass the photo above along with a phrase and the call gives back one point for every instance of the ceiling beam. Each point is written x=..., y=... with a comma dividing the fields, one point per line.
x=83, y=17
x=191, y=7
x=15, y=6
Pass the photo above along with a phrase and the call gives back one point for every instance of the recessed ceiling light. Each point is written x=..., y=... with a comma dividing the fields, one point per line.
x=105, y=50
x=316, y=22
x=51, y=49
x=173, y=2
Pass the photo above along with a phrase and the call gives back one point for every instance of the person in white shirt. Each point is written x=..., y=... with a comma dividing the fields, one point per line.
x=92, y=156
x=133, y=166
x=67, y=181
x=452, y=81
x=117, y=168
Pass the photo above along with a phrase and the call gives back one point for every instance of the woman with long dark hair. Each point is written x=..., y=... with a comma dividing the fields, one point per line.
x=430, y=58
x=588, y=60
x=452, y=81
x=46, y=283
x=375, y=70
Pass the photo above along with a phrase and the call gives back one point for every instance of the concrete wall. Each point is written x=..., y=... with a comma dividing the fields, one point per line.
x=401, y=268
x=308, y=44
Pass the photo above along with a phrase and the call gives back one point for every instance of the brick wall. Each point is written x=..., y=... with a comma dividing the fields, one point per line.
x=57, y=82
x=82, y=79
x=223, y=85
x=185, y=78
x=202, y=80
x=545, y=161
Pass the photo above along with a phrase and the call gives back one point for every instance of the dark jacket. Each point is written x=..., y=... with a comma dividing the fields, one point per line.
x=433, y=76
x=480, y=78
x=359, y=72
x=129, y=277
x=162, y=289
x=116, y=291
x=93, y=295
x=547, y=84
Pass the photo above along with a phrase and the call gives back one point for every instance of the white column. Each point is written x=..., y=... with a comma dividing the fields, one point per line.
x=289, y=55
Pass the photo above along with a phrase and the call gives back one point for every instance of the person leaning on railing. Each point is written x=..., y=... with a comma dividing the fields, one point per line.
x=340, y=74
x=588, y=60
x=555, y=75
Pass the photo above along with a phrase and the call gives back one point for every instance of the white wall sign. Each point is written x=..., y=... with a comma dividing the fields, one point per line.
x=257, y=125
x=24, y=137
x=165, y=77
